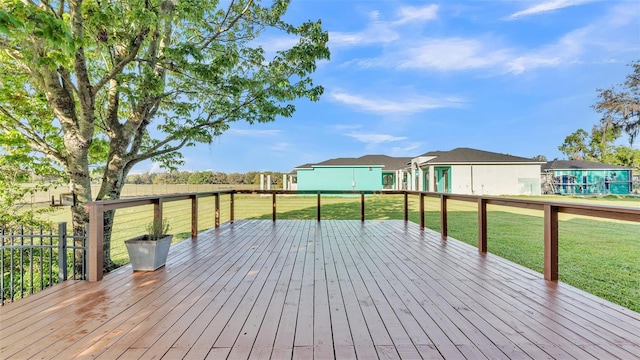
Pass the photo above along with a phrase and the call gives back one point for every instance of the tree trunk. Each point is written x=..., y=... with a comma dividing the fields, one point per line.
x=80, y=183
x=111, y=188
x=109, y=218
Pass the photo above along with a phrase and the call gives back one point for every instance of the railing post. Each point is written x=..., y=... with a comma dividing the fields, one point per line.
x=318, y=206
x=85, y=253
x=231, y=210
x=157, y=211
x=96, y=238
x=273, y=205
x=482, y=225
x=194, y=216
x=62, y=251
x=443, y=216
x=551, y=242
x=421, y=211
x=362, y=206
x=406, y=206
x=216, y=210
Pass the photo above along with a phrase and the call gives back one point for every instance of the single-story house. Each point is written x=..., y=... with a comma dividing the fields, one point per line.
x=586, y=177
x=369, y=172
x=475, y=172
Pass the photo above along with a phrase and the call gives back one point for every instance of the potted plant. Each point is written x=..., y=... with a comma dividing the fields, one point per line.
x=149, y=252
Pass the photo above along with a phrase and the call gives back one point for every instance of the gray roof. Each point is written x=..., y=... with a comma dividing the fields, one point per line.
x=458, y=155
x=580, y=165
x=305, y=166
x=387, y=162
x=468, y=155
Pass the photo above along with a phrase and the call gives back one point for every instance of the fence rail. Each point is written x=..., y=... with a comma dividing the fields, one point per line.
x=54, y=195
x=32, y=260
x=549, y=208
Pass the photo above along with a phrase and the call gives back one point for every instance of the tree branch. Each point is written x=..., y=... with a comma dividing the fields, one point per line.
x=231, y=24
x=157, y=152
x=50, y=8
x=40, y=143
x=113, y=103
x=117, y=69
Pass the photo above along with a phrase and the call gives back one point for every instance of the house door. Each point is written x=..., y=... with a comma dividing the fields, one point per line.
x=425, y=181
x=445, y=179
x=387, y=181
x=442, y=180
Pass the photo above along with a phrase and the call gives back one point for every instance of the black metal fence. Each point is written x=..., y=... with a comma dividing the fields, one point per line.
x=34, y=259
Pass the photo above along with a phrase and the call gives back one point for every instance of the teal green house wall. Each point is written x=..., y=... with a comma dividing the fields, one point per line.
x=340, y=178
x=615, y=181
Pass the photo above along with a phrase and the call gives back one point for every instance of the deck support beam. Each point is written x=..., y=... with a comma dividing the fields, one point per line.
x=273, y=207
x=318, y=207
x=406, y=206
x=362, y=206
x=482, y=225
x=443, y=216
x=421, y=211
x=232, y=213
x=194, y=216
x=551, y=242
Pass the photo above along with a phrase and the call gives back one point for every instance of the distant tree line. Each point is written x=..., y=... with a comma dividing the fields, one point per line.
x=204, y=177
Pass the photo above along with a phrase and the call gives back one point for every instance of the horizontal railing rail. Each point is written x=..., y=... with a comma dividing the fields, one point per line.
x=550, y=209
x=32, y=260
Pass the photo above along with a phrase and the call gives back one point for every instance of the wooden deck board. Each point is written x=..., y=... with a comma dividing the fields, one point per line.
x=335, y=289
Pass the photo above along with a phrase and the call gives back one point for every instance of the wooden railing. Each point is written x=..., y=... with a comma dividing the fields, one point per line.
x=551, y=210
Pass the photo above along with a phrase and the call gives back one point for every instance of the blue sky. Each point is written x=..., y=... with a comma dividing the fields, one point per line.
x=407, y=77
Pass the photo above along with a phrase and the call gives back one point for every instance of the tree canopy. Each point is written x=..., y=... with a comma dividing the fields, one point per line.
x=620, y=111
x=103, y=85
x=596, y=146
x=620, y=108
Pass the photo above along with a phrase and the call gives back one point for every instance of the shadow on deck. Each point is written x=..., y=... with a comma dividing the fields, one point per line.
x=335, y=289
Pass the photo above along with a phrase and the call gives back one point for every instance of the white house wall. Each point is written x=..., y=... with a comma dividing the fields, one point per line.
x=508, y=179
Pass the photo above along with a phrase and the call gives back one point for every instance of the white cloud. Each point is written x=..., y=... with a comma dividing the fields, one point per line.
x=409, y=14
x=607, y=36
x=281, y=146
x=408, y=104
x=383, y=32
x=460, y=54
x=375, y=33
x=347, y=126
x=523, y=63
x=546, y=6
x=374, y=139
x=277, y=43
x=450, y=54
x=406, y=150
x=613, y=33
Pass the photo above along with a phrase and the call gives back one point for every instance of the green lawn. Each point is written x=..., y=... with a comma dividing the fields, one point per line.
x=598, y=256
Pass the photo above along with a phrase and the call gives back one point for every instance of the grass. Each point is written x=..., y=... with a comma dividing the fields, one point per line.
x=599, y=256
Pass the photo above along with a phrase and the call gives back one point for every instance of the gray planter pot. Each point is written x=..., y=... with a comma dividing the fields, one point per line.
x=148, y=255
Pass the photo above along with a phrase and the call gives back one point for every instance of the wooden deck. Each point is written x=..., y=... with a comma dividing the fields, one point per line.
x=335, y=289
